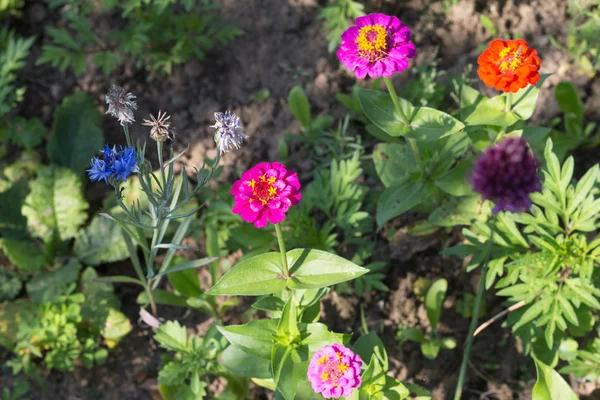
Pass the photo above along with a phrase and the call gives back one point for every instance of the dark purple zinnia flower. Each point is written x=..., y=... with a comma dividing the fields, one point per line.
x=506, y=173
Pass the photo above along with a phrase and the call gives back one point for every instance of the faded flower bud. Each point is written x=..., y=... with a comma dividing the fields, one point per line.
x=229, y=131
x=506, y=173
x=160, y=127
x=121, y=104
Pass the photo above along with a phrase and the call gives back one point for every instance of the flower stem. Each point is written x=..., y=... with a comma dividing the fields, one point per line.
x=509, y=100
x=284, y=263
x=127, y=135
x=474, y=319
x=159, y=151
x=394, y=96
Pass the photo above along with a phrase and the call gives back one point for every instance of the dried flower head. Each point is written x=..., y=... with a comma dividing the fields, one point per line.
x=229, y=133
x=265, y=193
x=509, y=65
x=379, y=45
x=506, y=173
x=334, y=371
x=121, y=104
x=160, y=127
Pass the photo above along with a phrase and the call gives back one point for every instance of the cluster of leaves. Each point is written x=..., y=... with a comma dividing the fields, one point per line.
x=336, y=15
x=186, y=374
x=63, y=329
x=545, y=259
x=582, y=35
x=13, y=52
x=431, y=342
x=154, y=34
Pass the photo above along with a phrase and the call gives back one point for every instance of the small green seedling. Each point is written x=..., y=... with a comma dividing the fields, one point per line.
x=431, y=342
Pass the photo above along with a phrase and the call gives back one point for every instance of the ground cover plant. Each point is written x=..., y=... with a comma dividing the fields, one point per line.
x=192, y=207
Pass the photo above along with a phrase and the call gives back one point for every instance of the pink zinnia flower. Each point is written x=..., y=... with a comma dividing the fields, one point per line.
x=334, y=371
x=265, y=193
x=378, y=45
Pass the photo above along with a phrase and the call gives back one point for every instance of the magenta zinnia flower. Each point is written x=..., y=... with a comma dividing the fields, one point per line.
x=378, y=45
x=506, y=173
x=334, y=371
x=265, y=193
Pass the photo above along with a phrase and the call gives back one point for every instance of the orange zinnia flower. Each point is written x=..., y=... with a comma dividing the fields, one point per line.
x=509, y=65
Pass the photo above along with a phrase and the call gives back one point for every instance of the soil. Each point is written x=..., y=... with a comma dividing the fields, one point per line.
x=283, y=45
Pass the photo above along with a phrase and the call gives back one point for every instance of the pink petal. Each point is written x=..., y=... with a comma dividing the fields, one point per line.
x=365, y=20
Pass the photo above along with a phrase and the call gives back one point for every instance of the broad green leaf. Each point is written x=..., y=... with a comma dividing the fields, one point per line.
x=11, y=202
x=10, y=317
x=434, y=301
x=394, y=389
x=423, y=123
x=101, y=242
x=311, y=269
x=365, y=347
x=172, y=336
x=460, y=211
x=55, y=206
x=567, y=98
x=99, y=298
x=27, y=133
x=254, y=276
x=288, y=326
x=430, y=349
x=242, y=363
x=394, y=162
x=25, y=254
x=400, y=198
x=186, y=282
x=116, y=327
x=76, y=134
x=187, y=265
x=317, y=335
x=299, y=106
x=455, y=181
x=269, y=303
x=10, y=285
x=550, y=385
x=46, y=286
x=255, y=337
x=292, y=373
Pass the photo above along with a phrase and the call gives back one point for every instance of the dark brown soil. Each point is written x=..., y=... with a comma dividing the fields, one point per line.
x=284, y=45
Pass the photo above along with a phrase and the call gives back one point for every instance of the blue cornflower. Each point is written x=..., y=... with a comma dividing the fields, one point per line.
x=98, y=170
x=125, y=163
x=115, y=165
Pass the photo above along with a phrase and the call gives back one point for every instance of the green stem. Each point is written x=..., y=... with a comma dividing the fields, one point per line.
x=159, y=150
x=509, y=100
x=127, y=136
x=284, y=262
x=474, y=319
x=394, y=96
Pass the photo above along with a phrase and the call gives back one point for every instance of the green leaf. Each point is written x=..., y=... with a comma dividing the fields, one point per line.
x=434, y=301
x=269, y=303
x=116, y=327
x=101, y=242
x=46, y=286
x=312, y=269
x=288, y=370
x=288, y=325
x=366, y=347
x=400, y=198
x=255, y=337
x=188, y=265
x=550, y=385
x=299, y=106
x=316, y=336
x=27, y=133
x=394, y=162
x=242, y=363
x=186, y=282
x=254, y=276
x=455, y=181
x=172, y=336
x=26, y=255
x=119, y=279
x=460, y=211
x=55, y=207
x=76, y=134
x=430, y=349
x=567, y=98
x=423, y=123
x=394, y=389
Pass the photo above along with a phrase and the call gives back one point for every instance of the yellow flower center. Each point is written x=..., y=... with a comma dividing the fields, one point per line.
x=372, y=42
x=263, y=190
x=333, y=369
x=509, y=60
